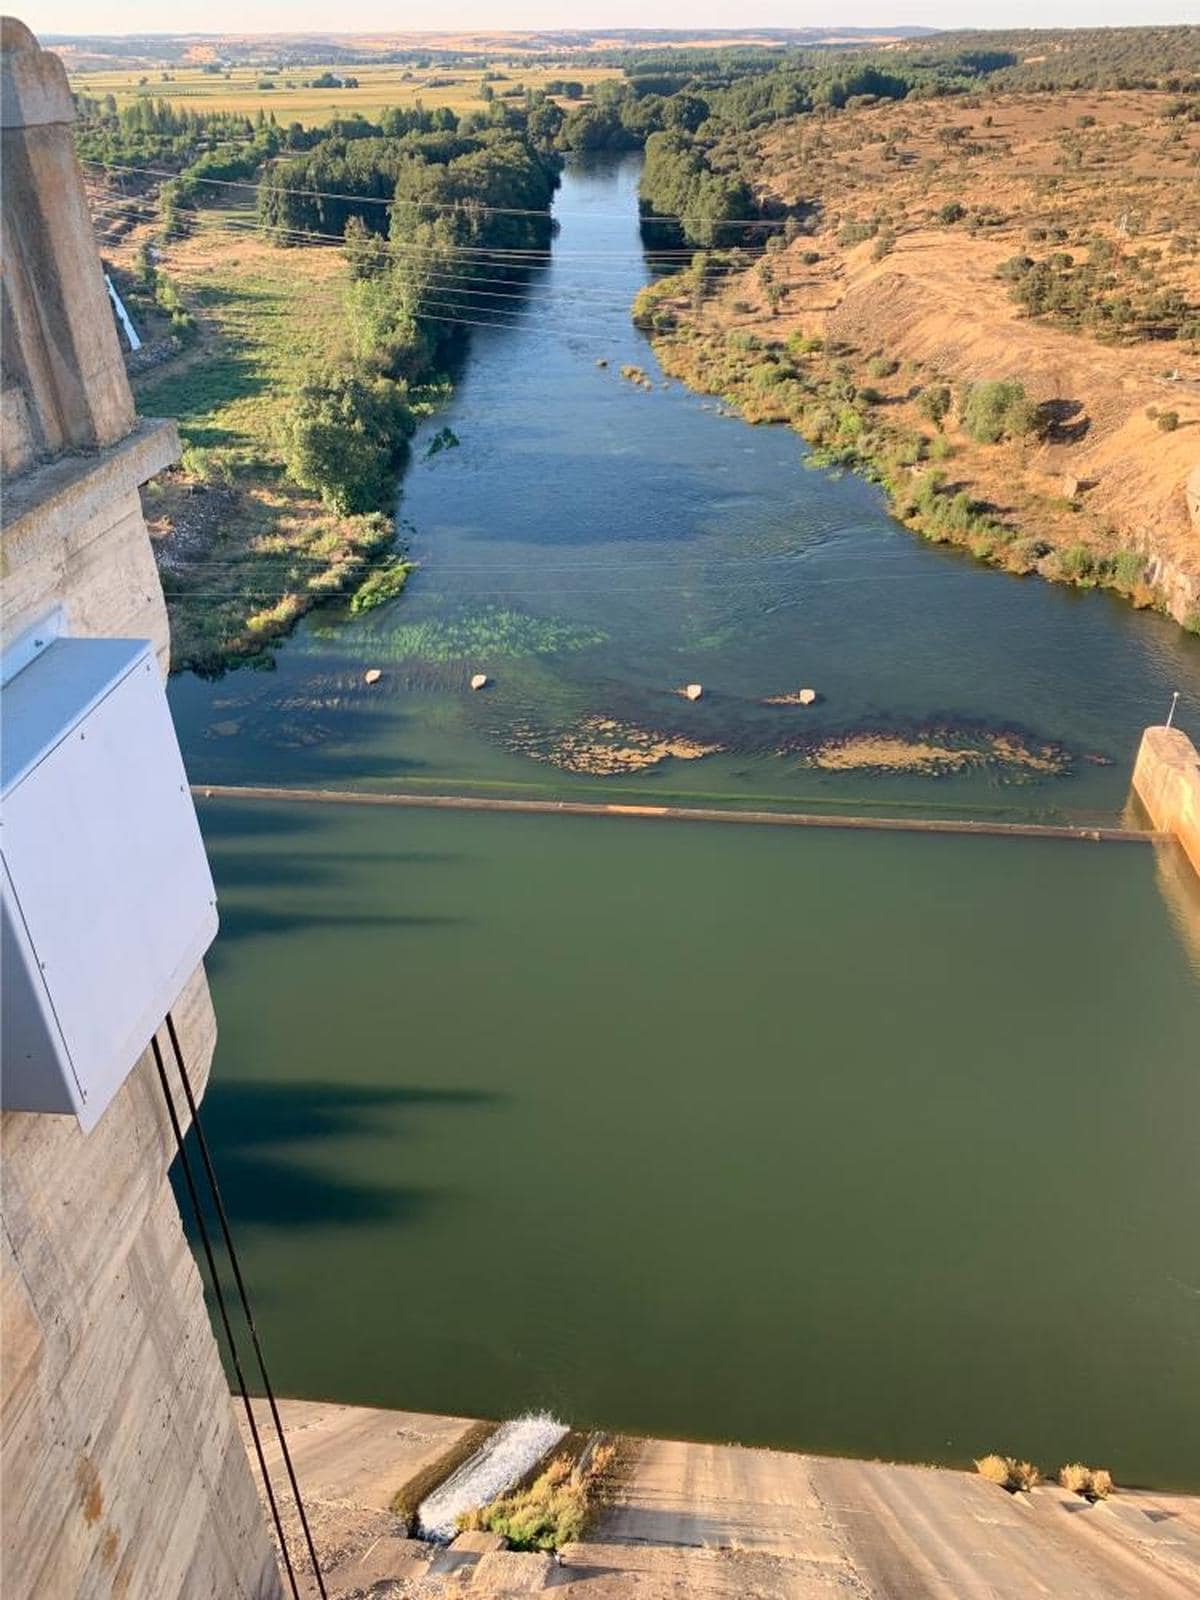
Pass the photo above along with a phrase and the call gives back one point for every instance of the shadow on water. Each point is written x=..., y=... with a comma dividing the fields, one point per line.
x=263, y=1131
x=253, y=924
x=252, y=871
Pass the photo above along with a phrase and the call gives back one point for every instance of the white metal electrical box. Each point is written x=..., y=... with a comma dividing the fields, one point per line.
x=107, y=899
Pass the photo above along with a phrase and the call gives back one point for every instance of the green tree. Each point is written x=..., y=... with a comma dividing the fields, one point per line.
x=343, y=436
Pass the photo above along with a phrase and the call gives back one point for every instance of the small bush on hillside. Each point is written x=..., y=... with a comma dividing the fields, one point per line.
x=934, y=403
x=853, y=232
x=1168, y=421
x=953, y=211
x=998, y=410
x=1129, y=569
x=1077, y=564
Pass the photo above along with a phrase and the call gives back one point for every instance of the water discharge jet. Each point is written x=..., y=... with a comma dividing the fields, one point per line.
x=508, y=1456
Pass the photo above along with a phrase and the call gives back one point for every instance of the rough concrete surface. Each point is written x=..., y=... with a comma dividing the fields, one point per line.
x=718, y=1522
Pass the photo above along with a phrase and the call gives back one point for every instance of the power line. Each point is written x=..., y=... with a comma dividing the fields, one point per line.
x=227, y=1235
x=223, y=1310
x=517, y=255
x=429, y=205
x=514, y=287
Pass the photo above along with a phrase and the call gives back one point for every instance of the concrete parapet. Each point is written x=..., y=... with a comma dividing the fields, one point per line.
x=64, y=380
x=1166, y=779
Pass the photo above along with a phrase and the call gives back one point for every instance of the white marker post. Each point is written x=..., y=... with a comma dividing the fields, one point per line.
x=1171, y=713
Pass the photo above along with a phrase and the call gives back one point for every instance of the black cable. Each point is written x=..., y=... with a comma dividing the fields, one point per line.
x=245, y=1298
x=219, y=1296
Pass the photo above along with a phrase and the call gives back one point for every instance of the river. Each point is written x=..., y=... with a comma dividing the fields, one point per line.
x=860, y=1143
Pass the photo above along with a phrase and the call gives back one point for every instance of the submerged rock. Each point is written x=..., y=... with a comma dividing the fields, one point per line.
x=694, y=691
x=479, y=681
x=802, y=697
x=372, y=675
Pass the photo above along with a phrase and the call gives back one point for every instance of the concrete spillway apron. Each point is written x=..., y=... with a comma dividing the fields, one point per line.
x=585, y=808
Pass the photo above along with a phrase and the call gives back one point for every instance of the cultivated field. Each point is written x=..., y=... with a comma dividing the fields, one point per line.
x=290, y=96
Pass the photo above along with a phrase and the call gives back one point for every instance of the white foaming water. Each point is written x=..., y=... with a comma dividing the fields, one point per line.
x=513, y=1450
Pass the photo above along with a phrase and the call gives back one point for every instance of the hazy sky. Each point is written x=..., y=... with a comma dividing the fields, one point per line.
x=299, y=16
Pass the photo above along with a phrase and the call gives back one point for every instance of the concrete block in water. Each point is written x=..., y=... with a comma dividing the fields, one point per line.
x=1166, y=779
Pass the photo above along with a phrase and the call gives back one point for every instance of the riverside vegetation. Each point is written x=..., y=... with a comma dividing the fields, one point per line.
x=303, y=388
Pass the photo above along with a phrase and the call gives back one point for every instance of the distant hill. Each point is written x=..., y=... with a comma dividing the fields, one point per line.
x=111, y=52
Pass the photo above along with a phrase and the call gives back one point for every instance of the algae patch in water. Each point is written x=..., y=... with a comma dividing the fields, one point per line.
x=602, y=746
x=934, y=752
x=490, y=633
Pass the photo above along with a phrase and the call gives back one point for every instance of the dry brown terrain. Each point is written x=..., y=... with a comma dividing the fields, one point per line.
x=1034, y=175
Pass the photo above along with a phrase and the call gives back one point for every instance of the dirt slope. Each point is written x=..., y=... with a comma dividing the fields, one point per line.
x=1031, y=176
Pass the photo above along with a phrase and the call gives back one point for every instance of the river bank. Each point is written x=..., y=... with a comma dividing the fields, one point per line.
x=865, y=329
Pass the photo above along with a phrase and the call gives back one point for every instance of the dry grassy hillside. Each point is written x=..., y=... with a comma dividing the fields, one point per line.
x=918, y=211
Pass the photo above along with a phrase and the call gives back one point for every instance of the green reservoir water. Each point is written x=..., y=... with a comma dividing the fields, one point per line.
x=849, y=1142
x=857, y=1143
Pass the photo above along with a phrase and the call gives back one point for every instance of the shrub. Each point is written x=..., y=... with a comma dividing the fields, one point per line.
x=934, y=403
x=382, y=585
x=998, y=410
x=1009, y=1473
x=1168, y=421
x=553, y=1511
x=1094, y=1483
x=953, y=211
x=994, y=1469
x=811, y=257
x=1076, y=563
x=1129, y=569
